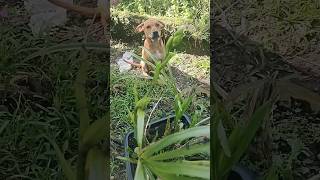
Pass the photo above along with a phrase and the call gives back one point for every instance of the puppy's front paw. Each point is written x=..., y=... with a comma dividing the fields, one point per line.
x=146, y=76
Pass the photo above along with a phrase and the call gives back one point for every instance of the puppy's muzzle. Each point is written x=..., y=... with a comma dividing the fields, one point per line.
x=155, y=35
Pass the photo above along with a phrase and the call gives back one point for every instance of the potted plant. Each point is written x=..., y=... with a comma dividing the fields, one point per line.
x=157, y=151
x=155, y=127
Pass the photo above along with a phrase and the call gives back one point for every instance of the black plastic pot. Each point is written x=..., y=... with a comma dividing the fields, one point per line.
x=241, y=173
x=154, y=127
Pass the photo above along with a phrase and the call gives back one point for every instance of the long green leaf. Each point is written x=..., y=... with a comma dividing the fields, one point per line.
x=174, y=138
x=223, y=139
x=149, y=174
x=240, y=139
x=184, y=168
x=140, y=126
x=96, y=164
x=142, y=103
x=167, y=176
x=183, y=152
x=140, y=172
x=174, y=40
x=135, y=94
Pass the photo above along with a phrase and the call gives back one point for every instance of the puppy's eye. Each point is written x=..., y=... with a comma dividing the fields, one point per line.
x=148, y=27
x=157, y=25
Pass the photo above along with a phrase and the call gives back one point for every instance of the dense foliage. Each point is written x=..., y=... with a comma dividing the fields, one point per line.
x=197, y=11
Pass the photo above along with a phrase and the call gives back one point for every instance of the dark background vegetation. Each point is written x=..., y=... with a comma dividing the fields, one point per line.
x=253, y=41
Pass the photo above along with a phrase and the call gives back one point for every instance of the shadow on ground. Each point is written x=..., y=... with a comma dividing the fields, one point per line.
x=238, y=61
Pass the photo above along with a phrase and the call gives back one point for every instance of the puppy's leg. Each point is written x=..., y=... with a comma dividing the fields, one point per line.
x=144, y=68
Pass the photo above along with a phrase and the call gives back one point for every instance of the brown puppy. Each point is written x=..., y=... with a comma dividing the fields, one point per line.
x=153, y=43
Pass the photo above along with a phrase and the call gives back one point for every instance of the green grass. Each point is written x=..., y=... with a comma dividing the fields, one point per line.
x=195, y=66
x=49, y=108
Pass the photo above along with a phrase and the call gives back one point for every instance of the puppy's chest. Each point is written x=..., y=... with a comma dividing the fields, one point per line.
x=156, y=49
x=158, y=54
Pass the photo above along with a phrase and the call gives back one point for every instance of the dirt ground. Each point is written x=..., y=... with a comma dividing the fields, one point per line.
x=240, y=61
x=253, y=39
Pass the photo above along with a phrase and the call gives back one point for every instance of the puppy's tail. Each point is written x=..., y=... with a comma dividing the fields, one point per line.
x=133, y=64
x=80, y=9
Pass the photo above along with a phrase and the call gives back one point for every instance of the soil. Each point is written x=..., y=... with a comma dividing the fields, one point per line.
x=238, y=61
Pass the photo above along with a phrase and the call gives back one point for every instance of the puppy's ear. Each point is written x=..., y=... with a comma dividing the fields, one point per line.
x=140, y=28
x=162, y=24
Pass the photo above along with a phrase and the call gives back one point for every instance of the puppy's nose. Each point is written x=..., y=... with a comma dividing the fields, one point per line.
x=155, y=34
